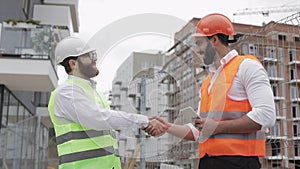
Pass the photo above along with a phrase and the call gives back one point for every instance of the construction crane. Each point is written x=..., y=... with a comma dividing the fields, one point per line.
x=266, y=11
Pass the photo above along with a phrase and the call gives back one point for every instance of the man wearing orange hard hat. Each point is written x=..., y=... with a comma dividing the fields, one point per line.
x=237, y=104
x=236, y=101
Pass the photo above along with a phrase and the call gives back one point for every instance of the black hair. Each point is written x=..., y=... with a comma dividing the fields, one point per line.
x=223, y=38
x=66, y=65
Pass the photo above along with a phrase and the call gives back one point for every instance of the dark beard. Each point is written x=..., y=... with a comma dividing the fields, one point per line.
x=87, y=70
x=210, y=55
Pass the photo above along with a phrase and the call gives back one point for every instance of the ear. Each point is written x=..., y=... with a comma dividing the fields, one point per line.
x=215, y=40
x=72, y=63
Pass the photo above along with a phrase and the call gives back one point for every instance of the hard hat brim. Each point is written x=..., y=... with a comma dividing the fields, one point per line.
x=198, y=34
x=79, y=54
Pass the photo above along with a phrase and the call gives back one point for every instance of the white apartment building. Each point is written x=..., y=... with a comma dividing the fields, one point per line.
x=139, y=76
x=28, y=74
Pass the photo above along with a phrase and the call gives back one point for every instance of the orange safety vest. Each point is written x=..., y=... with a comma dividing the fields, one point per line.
x=218, y=106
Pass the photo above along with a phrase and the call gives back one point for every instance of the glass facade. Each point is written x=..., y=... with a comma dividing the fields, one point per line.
x=23, y=139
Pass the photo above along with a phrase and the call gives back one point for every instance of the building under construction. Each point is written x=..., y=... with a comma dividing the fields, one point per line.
x=276, y=44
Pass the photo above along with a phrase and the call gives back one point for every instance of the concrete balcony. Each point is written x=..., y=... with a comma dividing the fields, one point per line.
x=277, y=157
x=295, y=99
x=294, y=62
x=25, y=58
x=274, y=137
x=296, y=80
x=279, y=117
x=296, y=119
x=267, y=59
x=296, y=138
x=279, y=98
x=27, y=74
x=295, y=158
x=66, y=13
x=276, y=79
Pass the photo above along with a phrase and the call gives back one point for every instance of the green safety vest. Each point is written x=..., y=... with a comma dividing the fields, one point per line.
x=80, y=147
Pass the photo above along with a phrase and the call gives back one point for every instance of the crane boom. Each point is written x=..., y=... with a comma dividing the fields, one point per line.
x=267, y=10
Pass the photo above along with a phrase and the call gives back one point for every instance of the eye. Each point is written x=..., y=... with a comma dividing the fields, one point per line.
x=93, y=55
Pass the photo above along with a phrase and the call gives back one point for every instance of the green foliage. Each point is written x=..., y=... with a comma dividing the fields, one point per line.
x=14, y=21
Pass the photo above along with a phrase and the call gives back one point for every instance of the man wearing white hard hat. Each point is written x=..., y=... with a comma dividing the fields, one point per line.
x=84, y=125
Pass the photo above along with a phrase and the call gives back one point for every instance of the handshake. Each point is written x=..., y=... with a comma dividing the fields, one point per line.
x=157, y=126
x=203, y=128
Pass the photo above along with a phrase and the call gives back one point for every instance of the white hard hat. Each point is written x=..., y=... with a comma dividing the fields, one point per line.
x=71, y=46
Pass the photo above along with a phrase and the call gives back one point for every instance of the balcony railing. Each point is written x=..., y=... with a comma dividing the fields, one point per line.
x=32, y=42
x=30, y=50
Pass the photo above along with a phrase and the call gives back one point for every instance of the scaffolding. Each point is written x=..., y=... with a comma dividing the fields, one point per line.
x=276, y=44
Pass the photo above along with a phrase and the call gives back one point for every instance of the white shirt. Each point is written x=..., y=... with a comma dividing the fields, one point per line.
x=251, y=82
x=72, y=104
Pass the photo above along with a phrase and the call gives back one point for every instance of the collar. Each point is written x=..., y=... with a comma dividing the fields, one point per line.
x=90, y=81
x=228, y=57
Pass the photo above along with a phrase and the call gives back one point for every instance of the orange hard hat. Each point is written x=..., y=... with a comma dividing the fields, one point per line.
x=214, y=23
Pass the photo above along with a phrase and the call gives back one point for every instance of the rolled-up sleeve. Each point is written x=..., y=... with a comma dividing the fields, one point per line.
x=195, y=131
x=259, y=92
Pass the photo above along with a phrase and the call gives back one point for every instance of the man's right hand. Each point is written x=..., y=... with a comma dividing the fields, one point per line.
x=157, y=126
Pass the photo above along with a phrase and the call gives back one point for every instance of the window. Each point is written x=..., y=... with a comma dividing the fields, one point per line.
x=276, y=164
x=13, y=110
x=253, y=49
x=296, y=38
x=297, y=148
x=295, y=112
x=274, y=89
x=245, y=49
x=272, y=71
x=275, y=130
x=275, y=148
x=294, y=92
x=277, y=109
x=281, y=37
x=293, y=74
x=296, y=129
x=41, y=99
x=280, y=53
x=139, y=88
x=292, y=54
x=138, y=103
x=271, y=52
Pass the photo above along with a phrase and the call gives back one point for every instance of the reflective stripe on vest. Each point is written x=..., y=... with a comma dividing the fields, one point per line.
x=81, y=135
x=79, y=147
x=218, y=106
